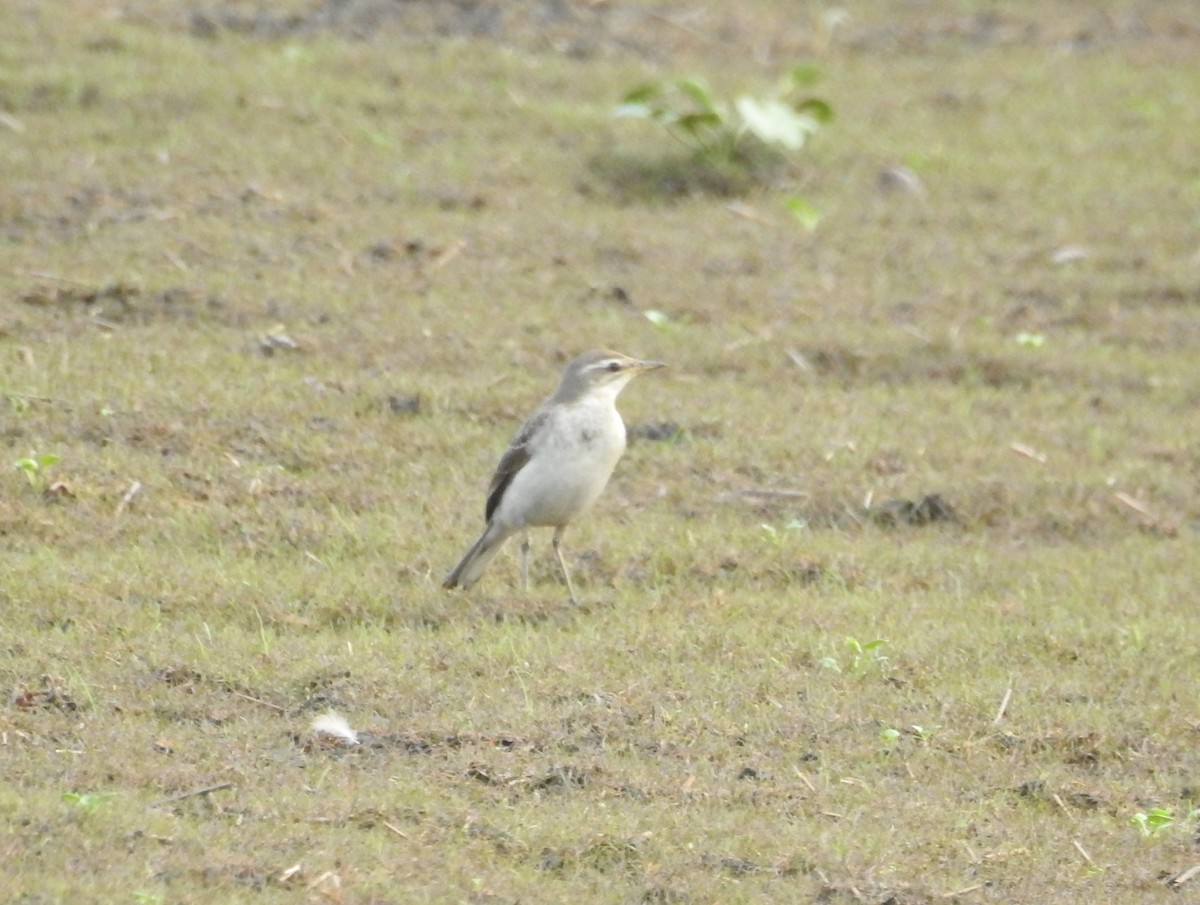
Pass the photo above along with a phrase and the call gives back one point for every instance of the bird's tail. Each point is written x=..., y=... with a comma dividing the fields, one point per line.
x=475, y=560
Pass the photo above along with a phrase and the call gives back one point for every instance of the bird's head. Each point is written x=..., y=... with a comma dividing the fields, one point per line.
x=601, y=370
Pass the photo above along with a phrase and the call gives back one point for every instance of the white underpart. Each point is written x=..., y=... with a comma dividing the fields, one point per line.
x=568, y=468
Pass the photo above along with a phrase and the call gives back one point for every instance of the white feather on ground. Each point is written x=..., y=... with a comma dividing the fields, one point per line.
x=335, y=724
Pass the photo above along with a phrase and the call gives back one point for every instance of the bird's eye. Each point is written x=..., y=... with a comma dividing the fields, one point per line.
x=614, y=366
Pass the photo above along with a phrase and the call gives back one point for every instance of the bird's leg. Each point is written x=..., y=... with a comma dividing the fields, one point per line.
x=556, y=543
x=525, y=562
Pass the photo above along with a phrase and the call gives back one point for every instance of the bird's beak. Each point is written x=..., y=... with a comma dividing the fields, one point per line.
x=648, y=365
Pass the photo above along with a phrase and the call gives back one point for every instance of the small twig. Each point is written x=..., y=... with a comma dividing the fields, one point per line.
x=746, y=212
x=444, y=257
x=767, y=493
x=328, y=875
x=1179, y=879
x=798, y=359
x=1063, y=806
x=290, y=872
x=917, y=334
x=177, y=261
x=32, y=397
x=745, y=341
x=1136, y=505
x=1003, y=706
x=963, y=891
x=1088, y=858
x=1028, y=452
x=43, y=275
x=207, y=790
x=134, y=489
x=275, y=707
x=804, y=779
x=396, y=830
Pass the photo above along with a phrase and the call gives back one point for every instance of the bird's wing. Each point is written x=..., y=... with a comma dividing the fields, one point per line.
x=514, y=459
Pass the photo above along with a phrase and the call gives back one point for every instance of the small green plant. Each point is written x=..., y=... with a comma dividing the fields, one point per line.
x=1157, y=820
x=862, y=656
x=1030, y=340
x=781, y=120
x=890, y=734
x=777, y=535
x=88, y=802
x=35, y=468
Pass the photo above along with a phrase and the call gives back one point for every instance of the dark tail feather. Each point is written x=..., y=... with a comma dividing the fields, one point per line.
x=475, y=560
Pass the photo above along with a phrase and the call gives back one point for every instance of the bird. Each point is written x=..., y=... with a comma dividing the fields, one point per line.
x=557, y=464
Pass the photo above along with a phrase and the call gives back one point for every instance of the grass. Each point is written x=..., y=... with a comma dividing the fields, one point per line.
x=276, y=295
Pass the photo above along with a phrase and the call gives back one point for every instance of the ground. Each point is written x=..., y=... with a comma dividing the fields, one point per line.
x=891, y=599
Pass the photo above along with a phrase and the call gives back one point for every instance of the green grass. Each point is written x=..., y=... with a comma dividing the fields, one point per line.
x=239, y=536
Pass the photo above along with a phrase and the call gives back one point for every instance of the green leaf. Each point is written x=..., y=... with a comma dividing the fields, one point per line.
x=87, y=801
x=643, y=93
x=698, y=92
x=692, y=123
x=1160, y=817
x=805, y=212
x=30, y=468
x=803, y=75
x=819, y=110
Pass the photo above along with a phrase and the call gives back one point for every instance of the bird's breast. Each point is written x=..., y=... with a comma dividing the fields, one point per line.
x=596, y=434
x=568, y=469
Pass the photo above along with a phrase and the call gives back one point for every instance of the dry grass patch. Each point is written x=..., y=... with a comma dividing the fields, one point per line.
x=888, y=601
